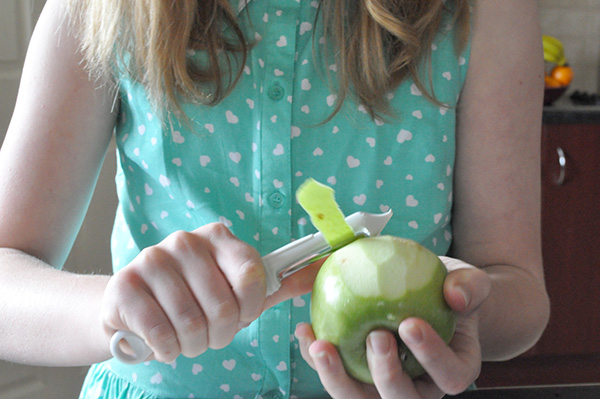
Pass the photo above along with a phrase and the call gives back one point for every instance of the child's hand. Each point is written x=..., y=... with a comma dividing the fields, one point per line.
x=451, y=369
x=192, y=291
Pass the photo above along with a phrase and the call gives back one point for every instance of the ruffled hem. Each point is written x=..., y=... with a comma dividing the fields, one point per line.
x=102, y=383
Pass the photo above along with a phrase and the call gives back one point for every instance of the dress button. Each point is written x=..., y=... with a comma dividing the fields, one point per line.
x=272, y=395
x=276, y=92
x=277, y=200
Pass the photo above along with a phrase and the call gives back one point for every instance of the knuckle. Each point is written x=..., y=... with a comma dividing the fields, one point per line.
x=154, y=257
x=217, y=229
x=183, y=241
x=455, y=385
x=192, y=322
x=224, y=312
x=162, y=338
x=250, y=271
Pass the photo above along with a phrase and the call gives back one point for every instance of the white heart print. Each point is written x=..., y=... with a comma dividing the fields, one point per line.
x=231, y=117
x=282, y=42
x=298, y=302
x=229, y=364
x=305, y=27
x=235, y=157
x=414, y=90
x=204, y=160
x=196, y=368
x=282, y=366
x=352, y=162
x=295, y=131
x=359, y=199
x=278, y=150
x=331, y=100
x=177, y=137
x=404, y=135
x=156, y=379
x=411, y=201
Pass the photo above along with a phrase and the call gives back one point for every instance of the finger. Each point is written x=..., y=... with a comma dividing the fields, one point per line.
x=333, y=375
x=242, y=267
x=453, y=368
x=171, y=291
x=386, y=368
x=297, y=284
x=306, y=337
x=131, y=305
x=212, y=293
x=466, y=287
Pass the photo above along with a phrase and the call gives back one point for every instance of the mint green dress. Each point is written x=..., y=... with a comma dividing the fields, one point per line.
x=240, y=163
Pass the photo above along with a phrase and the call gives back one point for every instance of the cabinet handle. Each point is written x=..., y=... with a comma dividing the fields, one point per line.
x=562, y=163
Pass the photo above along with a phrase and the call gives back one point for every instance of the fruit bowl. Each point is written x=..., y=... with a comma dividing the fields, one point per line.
x=551, y=94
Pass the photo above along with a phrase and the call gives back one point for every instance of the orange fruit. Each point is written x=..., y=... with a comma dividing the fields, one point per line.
x=562, y=74
x=551, y=82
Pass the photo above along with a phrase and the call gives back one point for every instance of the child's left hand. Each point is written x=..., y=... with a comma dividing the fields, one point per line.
x=451, y=369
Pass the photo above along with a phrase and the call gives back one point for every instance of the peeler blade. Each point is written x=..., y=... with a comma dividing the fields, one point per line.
x=300, y=253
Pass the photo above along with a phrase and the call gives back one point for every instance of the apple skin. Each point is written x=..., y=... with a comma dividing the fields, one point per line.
x=342, y=317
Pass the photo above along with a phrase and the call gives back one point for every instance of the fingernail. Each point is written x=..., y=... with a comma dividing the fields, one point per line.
x=411, y=333
x=380, y=343
x=322, y=360
x=465, y=295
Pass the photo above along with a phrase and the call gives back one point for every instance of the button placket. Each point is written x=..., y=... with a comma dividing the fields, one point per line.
x=278, y=52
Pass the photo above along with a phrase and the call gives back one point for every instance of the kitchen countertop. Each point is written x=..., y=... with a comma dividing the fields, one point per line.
x=563, y=111
x=591, y=391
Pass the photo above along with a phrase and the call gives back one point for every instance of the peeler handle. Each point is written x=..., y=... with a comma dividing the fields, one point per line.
x=141, y=351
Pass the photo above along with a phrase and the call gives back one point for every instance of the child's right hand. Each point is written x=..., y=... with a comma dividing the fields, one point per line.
x=192, y=291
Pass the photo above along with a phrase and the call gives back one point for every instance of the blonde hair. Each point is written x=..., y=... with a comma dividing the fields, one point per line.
x=387, y=43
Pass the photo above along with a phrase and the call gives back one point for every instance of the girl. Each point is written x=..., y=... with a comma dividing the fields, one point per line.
x=220, y=110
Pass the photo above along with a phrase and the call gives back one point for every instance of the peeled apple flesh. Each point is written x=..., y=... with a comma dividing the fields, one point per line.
x=375, y=283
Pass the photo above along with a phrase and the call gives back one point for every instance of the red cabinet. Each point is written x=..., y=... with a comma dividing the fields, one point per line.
x=569, y=350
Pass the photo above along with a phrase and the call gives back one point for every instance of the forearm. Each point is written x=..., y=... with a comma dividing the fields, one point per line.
x=49, y=317
x=515, y=314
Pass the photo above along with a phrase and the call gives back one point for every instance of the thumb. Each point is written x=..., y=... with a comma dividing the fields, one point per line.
x=297, y=284
x=466, y=286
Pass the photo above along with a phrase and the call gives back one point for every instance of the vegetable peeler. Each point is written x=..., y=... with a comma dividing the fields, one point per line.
x=278, y=265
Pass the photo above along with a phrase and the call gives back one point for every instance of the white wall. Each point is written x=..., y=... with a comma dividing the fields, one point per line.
x=577, y=24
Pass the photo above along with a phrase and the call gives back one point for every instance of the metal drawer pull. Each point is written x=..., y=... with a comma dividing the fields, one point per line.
x=562, y=162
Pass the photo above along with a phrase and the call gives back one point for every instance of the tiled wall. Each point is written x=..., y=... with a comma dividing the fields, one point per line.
x=577, y=24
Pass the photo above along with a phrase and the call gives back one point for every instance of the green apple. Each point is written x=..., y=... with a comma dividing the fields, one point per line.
x=375, y=283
